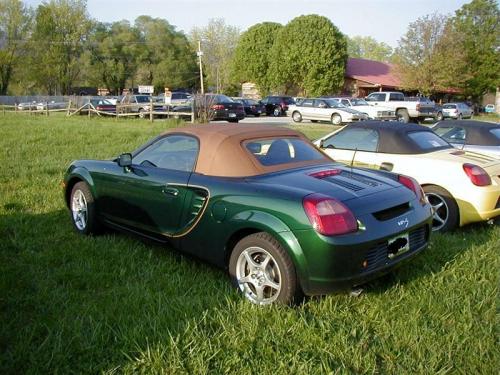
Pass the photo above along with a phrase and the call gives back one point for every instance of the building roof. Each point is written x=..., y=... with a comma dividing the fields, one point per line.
x=373, y=72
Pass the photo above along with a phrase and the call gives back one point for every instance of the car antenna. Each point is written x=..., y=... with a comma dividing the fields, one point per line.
x=353, y=156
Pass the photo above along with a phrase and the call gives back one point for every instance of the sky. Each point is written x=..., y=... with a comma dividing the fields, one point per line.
x=385, y=20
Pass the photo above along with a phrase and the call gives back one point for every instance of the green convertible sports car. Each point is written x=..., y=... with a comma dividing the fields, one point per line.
x=259, y=200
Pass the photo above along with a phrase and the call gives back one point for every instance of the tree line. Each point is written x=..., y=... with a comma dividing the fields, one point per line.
x=58, y=46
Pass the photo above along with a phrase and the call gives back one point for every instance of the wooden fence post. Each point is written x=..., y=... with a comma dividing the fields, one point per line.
x=192, y=112
x=47, y=109
x=151, y=109
x=69, y=108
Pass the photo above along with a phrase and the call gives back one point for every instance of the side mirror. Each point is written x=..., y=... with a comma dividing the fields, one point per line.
x=125, y=160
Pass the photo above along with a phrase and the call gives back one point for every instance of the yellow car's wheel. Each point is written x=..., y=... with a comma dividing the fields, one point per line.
x=444, y=208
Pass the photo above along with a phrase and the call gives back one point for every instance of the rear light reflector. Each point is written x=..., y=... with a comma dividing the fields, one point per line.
x=477, y=175
x=413, y=185
x=329, y=216
x=326, y=173
x=217, y=107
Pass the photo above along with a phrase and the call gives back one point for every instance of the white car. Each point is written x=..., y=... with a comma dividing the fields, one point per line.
x=374, y=113
x=320, y=109
x=457, y=111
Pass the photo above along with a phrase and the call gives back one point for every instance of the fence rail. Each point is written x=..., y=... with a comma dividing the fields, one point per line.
x=73, y=107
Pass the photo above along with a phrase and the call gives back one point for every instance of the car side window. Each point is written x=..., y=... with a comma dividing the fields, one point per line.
x=376, y=97
x=396, y=97
x=345, y=102
x=354, y=139
x=177, y=152
x=307, y=103
x=320, y=104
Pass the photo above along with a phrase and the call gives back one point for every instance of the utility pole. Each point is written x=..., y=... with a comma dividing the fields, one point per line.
x=199, y=53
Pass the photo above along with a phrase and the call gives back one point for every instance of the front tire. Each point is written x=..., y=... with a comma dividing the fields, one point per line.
x=262, y=270
x=336, y=119
x=82, y=207
x=444, y=207
x=277, y=112
x=296, y=116
x=142, y=113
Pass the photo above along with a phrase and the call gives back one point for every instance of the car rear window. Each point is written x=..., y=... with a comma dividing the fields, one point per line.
x=452, y=134
x=449, y=106
x=275, y=151
x=427, y=140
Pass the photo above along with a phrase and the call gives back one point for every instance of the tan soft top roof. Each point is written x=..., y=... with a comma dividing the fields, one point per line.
x=222, y=153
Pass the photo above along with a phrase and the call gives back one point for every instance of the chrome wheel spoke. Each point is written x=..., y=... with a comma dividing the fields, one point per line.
x=271, y=284
x=252, y=264
x=260, y=293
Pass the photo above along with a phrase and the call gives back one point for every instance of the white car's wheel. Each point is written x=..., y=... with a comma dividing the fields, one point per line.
x=336, y=119
x=296, y=116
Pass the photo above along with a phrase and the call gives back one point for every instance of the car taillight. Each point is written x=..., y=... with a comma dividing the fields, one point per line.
x=414, y=186
x=326, y=173
x=218, y=107
x=329, y=216
x=477, y=175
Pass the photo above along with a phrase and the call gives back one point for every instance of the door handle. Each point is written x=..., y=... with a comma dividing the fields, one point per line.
x=171, y=191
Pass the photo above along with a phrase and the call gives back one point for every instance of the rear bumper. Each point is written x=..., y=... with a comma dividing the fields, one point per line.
x=479, y=204
x=341, y=262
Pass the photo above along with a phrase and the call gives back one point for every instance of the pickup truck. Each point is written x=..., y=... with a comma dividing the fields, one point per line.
x=407, y=109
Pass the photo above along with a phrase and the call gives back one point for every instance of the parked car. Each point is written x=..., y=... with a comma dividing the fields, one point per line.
x=477, y=136
x=321, y=109
x=373, y=112
x=489, y=108
x=277, y=105
x=177, y=98
x=252, y=107
x=457, y=111
x=26, y=106
x=139, y=104
x=258, y=200
x=406, y=110
x=463, y=187
x=98, y=104
x=41, y=106
x=216, y=107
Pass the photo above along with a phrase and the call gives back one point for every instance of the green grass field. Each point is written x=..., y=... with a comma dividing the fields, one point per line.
x=114, y=304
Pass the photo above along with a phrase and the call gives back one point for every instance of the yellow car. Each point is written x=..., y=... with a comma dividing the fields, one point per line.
x=463, y=187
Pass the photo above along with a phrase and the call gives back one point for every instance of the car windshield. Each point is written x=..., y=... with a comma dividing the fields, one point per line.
x=333, y=103
x=219, y=99
x=357, y=102
x=449, y=106
x=275, y=151
x=428, y=141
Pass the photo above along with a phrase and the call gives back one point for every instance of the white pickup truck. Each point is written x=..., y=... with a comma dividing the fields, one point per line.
x=407, y=109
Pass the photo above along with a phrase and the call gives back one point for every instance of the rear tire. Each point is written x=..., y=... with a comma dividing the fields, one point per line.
x=82, y=209
x=277, y=112
x=296, y=116
x=263, y=271
x=439, y=116
x=444, y=207
x=142, y=113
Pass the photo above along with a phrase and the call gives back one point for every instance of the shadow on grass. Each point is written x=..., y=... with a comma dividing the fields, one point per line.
x=443, y=250
x=70, y=303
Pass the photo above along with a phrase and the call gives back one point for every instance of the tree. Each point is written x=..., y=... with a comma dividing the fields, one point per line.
x=15, y=24
x=113, y=54
x=366, y=47
x=478, y=25
x=427, y=55
x=252, y=55
x=218, y=42
x=168, y=60
x=61, y=28
x=311, y=54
